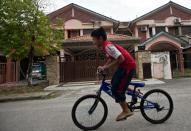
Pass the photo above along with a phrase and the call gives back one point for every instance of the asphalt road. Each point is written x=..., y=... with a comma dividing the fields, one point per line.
x=55, y=114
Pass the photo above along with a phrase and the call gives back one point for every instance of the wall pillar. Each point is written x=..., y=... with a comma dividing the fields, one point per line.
x=53, y=70
x=8, y=70
x=81, y=33
x=180, y=30
x=136, y=32
x=153, y=30
x=65, y=34
x=166, y=28
x=147, y=33
x=142, y=57
x=112, y=31
x=181, y=61
x=17, y=72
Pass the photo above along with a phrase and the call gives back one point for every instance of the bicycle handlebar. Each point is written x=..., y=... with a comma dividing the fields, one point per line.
x=102, y=72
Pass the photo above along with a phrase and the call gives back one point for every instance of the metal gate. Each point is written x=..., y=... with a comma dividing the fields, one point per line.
x=81, y=70
x=3, y=73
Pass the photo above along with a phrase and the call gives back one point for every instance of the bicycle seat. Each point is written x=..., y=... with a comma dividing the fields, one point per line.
x=137, y=84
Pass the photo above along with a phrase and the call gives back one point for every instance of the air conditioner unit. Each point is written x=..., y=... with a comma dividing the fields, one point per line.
x=177, y=21
x=144, y=28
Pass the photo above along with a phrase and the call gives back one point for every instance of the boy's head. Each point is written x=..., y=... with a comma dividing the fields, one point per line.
x=99, y=36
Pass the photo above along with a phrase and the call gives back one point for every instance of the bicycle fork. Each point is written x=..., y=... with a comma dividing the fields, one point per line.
x=92, y=109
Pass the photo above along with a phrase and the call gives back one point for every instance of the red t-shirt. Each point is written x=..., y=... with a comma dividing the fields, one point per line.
x=114, y=51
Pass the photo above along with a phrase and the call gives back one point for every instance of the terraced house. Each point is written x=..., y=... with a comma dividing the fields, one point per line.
x=165, y=35
x=160, y=41
x=79, y=58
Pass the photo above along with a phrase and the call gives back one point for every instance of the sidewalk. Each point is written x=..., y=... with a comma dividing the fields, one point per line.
x=27, y=96
x=92, y=84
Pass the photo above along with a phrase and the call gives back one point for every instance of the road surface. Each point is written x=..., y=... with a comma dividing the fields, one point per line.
x=55, y=114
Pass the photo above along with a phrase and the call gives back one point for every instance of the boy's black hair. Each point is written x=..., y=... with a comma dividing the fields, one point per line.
x=99, y=33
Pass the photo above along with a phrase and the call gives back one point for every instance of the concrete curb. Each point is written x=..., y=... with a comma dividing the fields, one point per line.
x=84, y=85
x=30, y=96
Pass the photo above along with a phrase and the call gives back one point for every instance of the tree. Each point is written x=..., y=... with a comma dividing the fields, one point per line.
x=26, y=31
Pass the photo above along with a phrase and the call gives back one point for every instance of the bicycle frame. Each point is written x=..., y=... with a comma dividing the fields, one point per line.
x=106, y=87
x=133, y=105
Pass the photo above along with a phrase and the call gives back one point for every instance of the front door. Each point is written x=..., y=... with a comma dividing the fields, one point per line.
x=147, y=70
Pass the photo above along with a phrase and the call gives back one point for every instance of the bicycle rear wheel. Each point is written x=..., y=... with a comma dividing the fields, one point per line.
x=156, y=106
x=89, y=112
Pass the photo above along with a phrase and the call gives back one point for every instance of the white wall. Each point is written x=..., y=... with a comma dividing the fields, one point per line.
x=76, y=24
x=164, y=58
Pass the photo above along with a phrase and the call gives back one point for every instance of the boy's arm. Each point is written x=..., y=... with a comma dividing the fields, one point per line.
x=114, y=62
x=109, y=60
x=117, y=57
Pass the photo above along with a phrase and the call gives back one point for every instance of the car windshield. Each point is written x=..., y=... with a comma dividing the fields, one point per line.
x=36, y=68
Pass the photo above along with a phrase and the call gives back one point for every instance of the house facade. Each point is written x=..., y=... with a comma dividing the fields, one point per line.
x=79, y=58
x=187, y=57
x=160, y=41
x=79, y=21
x=164, y=33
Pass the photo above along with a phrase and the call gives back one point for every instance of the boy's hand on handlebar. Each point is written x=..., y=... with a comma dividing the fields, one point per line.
x=101, y=68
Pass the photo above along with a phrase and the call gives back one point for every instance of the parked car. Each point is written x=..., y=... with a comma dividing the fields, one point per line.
x=39, y=71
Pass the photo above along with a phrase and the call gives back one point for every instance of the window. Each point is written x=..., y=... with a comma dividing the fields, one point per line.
x=186, y=30
x=108, y=30
x=73, y=33
x=150, y=32
x=173, y=30
x=159, y=29
x=87, y=31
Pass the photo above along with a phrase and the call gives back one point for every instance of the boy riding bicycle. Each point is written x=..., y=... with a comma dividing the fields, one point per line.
x=120, y=57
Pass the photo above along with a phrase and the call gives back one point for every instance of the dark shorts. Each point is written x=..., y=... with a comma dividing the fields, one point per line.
x=120, y=82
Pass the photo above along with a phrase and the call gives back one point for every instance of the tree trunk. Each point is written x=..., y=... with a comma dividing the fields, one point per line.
x=29, y=70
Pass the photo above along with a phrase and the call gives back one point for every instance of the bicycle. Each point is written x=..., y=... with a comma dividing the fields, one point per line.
x=97, y=107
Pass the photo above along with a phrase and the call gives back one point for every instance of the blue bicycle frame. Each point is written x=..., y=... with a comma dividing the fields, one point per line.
x=106, y=87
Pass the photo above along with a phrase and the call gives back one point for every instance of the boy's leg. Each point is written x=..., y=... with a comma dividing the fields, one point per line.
x=124, y=107
x=115, y=82
x=120, y=82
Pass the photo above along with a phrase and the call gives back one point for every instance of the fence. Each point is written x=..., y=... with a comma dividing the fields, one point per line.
x=80, y=70
x=4, y=77
x=187, y=67
x=2, y=73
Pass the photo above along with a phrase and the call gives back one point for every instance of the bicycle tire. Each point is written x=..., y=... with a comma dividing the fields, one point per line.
x=81, y=100
x=170, y=105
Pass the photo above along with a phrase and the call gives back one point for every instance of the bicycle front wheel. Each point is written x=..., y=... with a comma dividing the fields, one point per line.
x=156, y=106
x=89, y=112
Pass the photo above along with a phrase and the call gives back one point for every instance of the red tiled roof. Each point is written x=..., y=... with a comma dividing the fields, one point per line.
x=170, y=3
x=56, y=13
x=110, y=37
